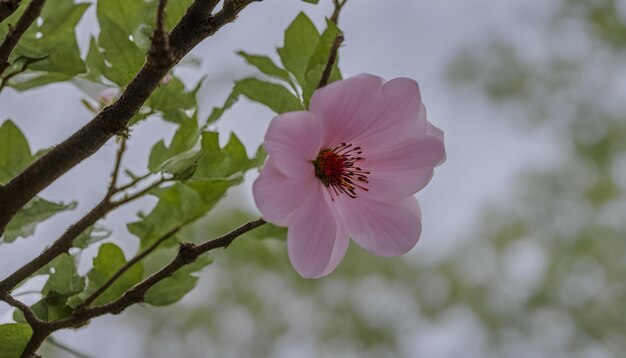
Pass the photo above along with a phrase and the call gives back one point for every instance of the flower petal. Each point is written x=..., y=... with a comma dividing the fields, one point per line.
x=402, y=169
x=278, y=196
x=400, y=114
x=346, y=108
x=311, y=235
x=386, y=229
x=339, y=249
x=292, y=141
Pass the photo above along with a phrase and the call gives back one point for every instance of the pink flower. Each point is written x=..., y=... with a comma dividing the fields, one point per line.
x=349, y=167
x=107, y=96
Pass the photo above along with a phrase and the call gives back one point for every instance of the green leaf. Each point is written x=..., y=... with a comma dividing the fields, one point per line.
x=176, y=286
x=35, y=211
x=301, y=38
x=312, y=1
x=218, y=163
x=215, y=170
x=318, y=60
x=90, y=236
x=182, y=143
x=14, y=151
x=260, y=156
x=267, y=66
x=49, y=308
x=64, y=279
x=109, y=260
x=268, y=231
x=124, y=35
x=275, y=96
x=179, y=204
x=172, y=99
x=13, y=339
x=53, y=42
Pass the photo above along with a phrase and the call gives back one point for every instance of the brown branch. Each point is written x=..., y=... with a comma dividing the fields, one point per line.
x=160, y=51
x=116, y=167
x=187, y=254
x=338, y=6
x=15, y=33
x=140, y=256
x=331, y=61
x=7, y=8
x=61, y=245
x=64, y=243
x=332, y=57
x=194, y=27
x=29, y=315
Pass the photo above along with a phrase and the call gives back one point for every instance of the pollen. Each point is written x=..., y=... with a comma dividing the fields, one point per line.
x=338, y=169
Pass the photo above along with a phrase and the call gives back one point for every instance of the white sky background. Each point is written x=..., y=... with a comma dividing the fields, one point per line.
x=389, y=38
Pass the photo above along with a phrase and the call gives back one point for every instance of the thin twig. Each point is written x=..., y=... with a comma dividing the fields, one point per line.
x=24, y=67
x=89, y=300
x=138, y=194
x=15, y=33
x=195, y=26
x=332, y=57
x=338, y=6
x=29, y=315
x=134, y=182
x=116, y=167
x=64, y=243
x=187, y=253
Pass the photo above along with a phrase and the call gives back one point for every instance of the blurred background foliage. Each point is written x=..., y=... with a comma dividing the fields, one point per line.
x=542, y=276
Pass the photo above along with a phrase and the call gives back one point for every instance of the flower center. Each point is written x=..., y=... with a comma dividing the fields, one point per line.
x=337, y=169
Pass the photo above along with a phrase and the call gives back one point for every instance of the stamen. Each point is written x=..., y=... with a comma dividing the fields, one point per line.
x=337, y=169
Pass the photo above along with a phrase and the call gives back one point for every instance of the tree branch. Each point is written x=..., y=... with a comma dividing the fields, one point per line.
x=331, y=61
x=187, y=254
x=29, y=315
x=15, y=33
x=8, y=7
x=140, y=256
x=194, y=27
x=64, y=243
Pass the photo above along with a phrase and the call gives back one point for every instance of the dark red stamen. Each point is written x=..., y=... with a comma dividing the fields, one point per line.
x=336, y=169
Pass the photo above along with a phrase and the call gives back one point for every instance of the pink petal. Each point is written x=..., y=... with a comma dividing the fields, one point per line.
x=312, y=233
x=339, y=250
x=386, y=229
x=346, y=108
x=277, y=196
x=399, y=114
x=292, y=141
x=402, y=169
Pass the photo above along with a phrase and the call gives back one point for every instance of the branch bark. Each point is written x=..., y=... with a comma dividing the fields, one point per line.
x=195, y=26
x=15, y=32
x=187, y=254
x=8, y=7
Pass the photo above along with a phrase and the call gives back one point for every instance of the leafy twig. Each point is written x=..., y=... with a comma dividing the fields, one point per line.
x=140, y=256
x=338, y=6
x=331, y=61
x=24, y=67
x=187, y=254
x=29, y=315
x=116, y=167
x=15, y=33
x=194, y=27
